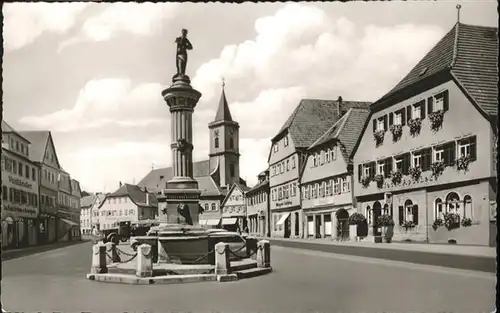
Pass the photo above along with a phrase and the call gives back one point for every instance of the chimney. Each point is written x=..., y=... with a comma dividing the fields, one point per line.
x=120, y=184
x=339, y=104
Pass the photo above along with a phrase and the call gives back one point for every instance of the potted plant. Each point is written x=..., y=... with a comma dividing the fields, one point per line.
x=463, y=163
x=396, y=177
x=437, y=223
x=436, y=119
x=466, y=222
x=387, y=223
x=451, y=220
x=407, y=225
x=379, y=136
x=397, y=131
x=415, y=173
x=355, y=220
x=415, y=126
x=437, y=168
x=379, y=179
x=365, y=181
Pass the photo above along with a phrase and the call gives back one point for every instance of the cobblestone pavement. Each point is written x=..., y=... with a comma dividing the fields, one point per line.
x=302, y=281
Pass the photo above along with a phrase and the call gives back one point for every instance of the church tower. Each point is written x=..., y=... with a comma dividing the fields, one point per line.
x=224, y=144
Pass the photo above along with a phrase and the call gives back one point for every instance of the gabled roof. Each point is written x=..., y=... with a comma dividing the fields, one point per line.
x=312, y=117
x=39, y=141
x=241, y=187
x=136, y=194
x=6, y=128
x=223, y=113
x=258, y=186
x=87, y=201
x=76, y=191
x=470, y=54
x=156, y=179
x=347, y=131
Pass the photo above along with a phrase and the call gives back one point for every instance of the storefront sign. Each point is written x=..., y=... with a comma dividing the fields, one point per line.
x=234, y=210
x=19, y=182
x=323, y=201
x=21, y=211
x=408, y=182
x=283, y=204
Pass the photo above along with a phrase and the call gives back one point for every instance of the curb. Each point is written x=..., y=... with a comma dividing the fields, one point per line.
x=465, y=262
x=158, y=280
x=14, y=254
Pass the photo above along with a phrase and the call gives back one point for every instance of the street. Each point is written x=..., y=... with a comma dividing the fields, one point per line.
x=302, y=281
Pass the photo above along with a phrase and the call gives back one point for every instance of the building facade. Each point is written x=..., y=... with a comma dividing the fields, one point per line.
x=127, y=204
x=326, y=181
x=234, y=209
x=426, y=153
x=19, y=191
x=74, y=205
x=65, y=225
x=258, y=207
x=89, y=213
x=289, y=151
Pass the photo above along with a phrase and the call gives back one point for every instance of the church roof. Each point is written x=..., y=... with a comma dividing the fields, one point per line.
x=223, y=113
x=470, y=54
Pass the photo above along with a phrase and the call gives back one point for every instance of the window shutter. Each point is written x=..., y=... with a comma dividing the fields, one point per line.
x=473, y=153
x=415, y=214
x=372, y=169
x=401, y=214
x=360, y=171
x=385, y=123
x=445, y=101
x=403, y=117
x=429, y=105
x=374, y=125
x=406, y=164
x=391, y=119
x=422, y=109
x=408, y=113
x=453, y=152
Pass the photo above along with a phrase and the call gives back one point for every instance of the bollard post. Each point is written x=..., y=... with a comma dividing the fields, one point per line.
x=144, y=261
x=222, y=262
x=98, y=259
x=114, y=253
x=263, y=254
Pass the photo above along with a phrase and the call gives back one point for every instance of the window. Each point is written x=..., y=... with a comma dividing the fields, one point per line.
x=380, y=124
x=322, y=189
x=426, y=159
x=468, y=207
x=366, y=170
x=453, y=203
x=329, y=188
x=213, y=206
x=317, y=159
x=445, y=154
x=416, y=160
x=368, y=214
x=398, y=117
x=280, y=193
x=322, y=157
x=327, y=156
x=231, y=142
x=276, y=148
x=27, y=171
x=314, y=191
x=231, y=170
x=273, y=170
x=381, y=168
x=336, y=186
x=293, y=161
x=333, y=154
x=409, y=211
x=399, y=165
x=467, y=147
x=287, y=165
x=346, y=185
x=286, y=140
x=314, y=161
x=308, y=194
x=293, y=189
x=20, y=169
x=417, y=111
x=216, y=142
x=4, y=192
x=438, y=103
x=303, y=192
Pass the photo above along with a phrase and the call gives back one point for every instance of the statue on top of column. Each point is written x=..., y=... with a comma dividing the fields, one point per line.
x=183, y=44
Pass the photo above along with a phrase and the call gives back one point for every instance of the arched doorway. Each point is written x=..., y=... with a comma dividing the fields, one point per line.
x=342, y=224
x=377, y=211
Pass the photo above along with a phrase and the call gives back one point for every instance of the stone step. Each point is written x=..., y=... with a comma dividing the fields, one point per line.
x=253, y=272
x=165, y=270
x=243, y=265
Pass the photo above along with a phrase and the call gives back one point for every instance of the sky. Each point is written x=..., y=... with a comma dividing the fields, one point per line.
x=93, y=73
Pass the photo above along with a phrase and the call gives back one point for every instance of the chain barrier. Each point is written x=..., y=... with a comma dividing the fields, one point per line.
x=203, y=256
x=123, y=252
x=133, y=257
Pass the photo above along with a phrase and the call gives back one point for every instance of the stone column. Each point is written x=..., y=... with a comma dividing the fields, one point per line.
x=322, y=225
x=263, y=254
x=222, y=263
x=301, y=224
x=144, y=261
x=314, y=228
x=334, y=226
x=305, y=223
x=99, y=265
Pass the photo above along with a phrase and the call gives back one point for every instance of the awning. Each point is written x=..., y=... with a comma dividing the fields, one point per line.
x=71, y=223
x=203, y=222
x=213, y=222
x=229, y=221
x=283, y=218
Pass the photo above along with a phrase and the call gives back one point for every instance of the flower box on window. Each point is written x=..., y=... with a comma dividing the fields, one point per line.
x=451, y=220
x=437, y=223
x=463, y=163
x=396, y=177
x=415, y=172
x=407, y=225
x=437, y=168
x=379, y=136
x=365, y=181
x=466, y=222
x=436, y=119
x=379, y=179
x=397, y=131
x=415, y=125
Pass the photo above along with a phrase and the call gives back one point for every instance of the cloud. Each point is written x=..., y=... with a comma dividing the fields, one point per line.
x=106, y=102
x=24, y=22
x=143, y=19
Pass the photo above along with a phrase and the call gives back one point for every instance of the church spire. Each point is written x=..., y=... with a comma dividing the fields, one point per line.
x=223, y=113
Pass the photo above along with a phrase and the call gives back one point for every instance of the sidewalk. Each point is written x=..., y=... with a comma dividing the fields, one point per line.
x=17, y=253
x=475, y=258
x=417, y=247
